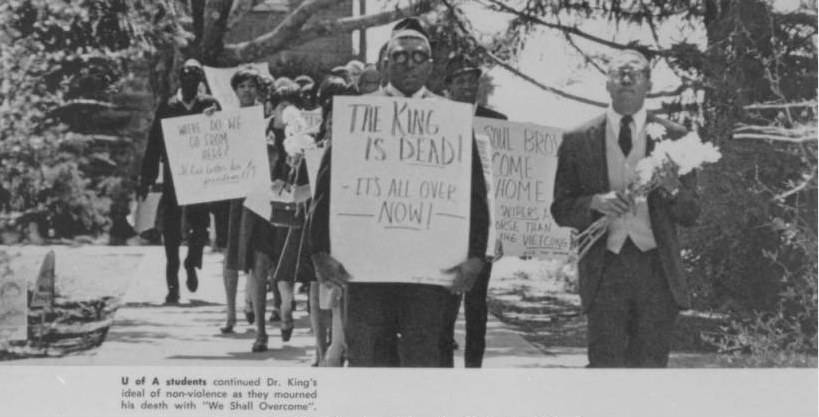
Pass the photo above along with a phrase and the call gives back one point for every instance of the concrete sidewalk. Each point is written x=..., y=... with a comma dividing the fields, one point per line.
x=146, y=332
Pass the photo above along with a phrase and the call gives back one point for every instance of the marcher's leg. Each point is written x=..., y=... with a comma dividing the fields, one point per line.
x=172, y=238
x=371, y=326
x=286, y=290
x=258, y=278
x=475, y=312
x=424, y=322
x=197, y=219
x=608, y=317
x=655, y=315
x=318, y=322
x=230, y=278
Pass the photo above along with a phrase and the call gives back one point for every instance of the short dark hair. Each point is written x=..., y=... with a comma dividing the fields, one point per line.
x=244, y=74
x=290, y=93
x=634, y=53
x=331, y=86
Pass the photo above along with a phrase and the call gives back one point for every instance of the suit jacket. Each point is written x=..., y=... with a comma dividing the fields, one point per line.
x=483, y=111
x=582, y=171
x=479, y=217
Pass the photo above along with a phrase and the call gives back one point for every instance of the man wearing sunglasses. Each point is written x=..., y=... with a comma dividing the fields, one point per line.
x=631, y=281
x=401, y=324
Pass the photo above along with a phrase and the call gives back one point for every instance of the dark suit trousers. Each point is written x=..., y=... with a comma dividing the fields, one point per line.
x=631, y=319
x=390, y=325
x=475, y=314
x=196, y=227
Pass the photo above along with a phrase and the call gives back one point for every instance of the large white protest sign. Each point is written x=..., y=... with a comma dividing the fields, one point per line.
x=524, y=160
x=219, y=83
x=313, y=118
x=400, y=186
x=216, y=157
x=13, y=311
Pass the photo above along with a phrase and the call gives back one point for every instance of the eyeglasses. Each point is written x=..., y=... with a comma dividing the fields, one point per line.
x=402, y=57
x=633, y=75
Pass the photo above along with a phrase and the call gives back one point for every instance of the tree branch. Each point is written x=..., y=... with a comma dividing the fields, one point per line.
x=577, y=32
x=280, y=37
x=351, y=24
x=514, y=70
x=239, y=10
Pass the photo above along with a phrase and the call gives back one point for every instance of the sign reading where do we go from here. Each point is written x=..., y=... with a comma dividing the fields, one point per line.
x=400, y=186
x=217, y=157
x=524, y=162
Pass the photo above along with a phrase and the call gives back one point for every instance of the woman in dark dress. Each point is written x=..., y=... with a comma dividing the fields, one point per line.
x=246, y=83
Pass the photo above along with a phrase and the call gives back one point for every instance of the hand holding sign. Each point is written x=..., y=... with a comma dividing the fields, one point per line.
x=466, y=274
x=330, y=271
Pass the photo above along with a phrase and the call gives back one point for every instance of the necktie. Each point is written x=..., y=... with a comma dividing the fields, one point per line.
x=625, y=135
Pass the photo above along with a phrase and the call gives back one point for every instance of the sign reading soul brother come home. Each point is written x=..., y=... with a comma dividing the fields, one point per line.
x=400, y=185
x=216, y=157
x=524, y=160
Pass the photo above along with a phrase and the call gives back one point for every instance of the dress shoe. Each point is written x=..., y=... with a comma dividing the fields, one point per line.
x=260, y=345
x=275, y=316
x=286, y=333
x=172, y=298
x=226, y=329
x=250, y=317
x=193, y=282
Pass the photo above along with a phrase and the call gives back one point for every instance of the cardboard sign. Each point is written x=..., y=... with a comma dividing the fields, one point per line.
x=217, y=157
x=484, y=146
x=524, y=161
x=219, y=83
x=400, y=186
x=313, y=118
x=13, y=309
x=44, y=288
x=145, y=217
x=312, y=157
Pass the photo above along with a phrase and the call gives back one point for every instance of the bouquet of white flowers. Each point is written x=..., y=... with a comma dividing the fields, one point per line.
x=289, y=196
x=669, y=160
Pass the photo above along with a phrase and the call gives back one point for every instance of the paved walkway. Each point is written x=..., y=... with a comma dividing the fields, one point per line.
x=145, y=332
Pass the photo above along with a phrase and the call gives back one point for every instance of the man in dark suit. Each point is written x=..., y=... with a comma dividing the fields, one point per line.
x=631, y=281
x=461, y=79
x=401, y=324
x=186, y=102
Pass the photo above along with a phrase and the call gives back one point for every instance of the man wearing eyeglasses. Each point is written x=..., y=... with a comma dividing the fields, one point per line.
x=631, y=281
x=401, y=324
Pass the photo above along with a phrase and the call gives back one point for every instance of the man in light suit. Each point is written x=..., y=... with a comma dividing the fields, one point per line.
x=631, y=281
x=401, y=324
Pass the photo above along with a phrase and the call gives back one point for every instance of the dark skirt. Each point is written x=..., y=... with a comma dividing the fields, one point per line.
x=288, y=250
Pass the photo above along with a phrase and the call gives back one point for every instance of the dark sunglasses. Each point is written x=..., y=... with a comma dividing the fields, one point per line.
x=402, y=57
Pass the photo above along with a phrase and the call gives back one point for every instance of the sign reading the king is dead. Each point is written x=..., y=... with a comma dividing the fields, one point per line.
x=216, y=157
x=400, y=186
x=524, y=161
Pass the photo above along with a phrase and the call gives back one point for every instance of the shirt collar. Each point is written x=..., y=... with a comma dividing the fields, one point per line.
x=614, y=119
x=389, y=89
x=188, y=105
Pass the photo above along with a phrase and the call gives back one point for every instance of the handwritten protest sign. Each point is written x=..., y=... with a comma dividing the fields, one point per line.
x=44, y=288
x=484, y=146
x=524, y=160
x=400, y=186
x=313, y=118
x=219, y=83
x=216, y=157
x=312, y=157
x=13, y=311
